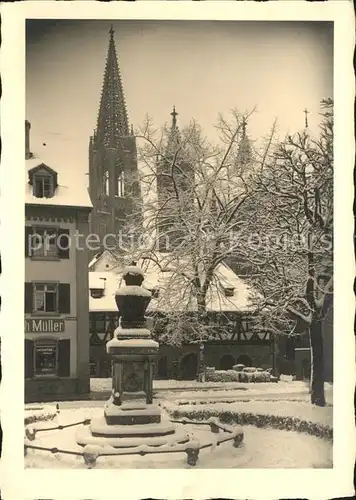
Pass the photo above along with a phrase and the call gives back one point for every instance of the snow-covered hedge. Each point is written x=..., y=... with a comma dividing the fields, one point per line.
x=246, y=374
x=40, y=415
x=238, y=368
x=222, y=376
x=281, y=422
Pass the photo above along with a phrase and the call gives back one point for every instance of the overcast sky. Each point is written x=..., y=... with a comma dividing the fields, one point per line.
x=203, y=67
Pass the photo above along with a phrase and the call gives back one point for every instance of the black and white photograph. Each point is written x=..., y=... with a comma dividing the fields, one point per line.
x=180, y=208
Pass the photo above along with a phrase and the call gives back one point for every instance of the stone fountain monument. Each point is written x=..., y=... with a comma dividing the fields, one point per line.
x=130, y=418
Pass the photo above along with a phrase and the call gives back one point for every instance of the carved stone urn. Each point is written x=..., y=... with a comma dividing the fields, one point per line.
x=132, y=300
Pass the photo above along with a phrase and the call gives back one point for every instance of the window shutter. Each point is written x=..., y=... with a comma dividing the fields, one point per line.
x=28, y=297
x=29, y=361
x=28, y=232
x=64, y=358
x=64, y=298
x=63, y=243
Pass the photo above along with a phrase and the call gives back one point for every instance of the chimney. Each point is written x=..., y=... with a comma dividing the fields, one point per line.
x=28, y=153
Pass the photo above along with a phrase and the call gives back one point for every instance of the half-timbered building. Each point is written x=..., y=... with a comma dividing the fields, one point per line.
x=232, y=338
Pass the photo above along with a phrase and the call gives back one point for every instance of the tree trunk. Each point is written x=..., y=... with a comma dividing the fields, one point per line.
x=317, y=365
x=202, y=319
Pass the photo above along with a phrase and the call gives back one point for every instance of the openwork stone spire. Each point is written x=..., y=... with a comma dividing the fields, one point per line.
x=244, y=154
x=112, y=119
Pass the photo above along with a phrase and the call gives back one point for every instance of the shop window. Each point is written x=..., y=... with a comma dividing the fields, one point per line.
x=46, y=357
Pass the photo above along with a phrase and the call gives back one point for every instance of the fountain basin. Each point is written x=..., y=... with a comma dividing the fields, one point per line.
x=154, y=435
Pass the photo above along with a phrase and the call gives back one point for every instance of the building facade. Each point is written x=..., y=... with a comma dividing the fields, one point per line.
x=56, y=282
x=114, y=184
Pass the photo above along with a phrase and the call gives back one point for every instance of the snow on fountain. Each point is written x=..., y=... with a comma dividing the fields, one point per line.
x=130, y=419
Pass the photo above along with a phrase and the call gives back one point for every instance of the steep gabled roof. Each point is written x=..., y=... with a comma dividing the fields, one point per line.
x=172, y=296
x=71, y=190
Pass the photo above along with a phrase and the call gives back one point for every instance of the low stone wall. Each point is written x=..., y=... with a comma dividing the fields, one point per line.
x=41, y=390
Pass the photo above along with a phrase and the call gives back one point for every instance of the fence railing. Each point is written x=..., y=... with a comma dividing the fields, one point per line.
x=191, y=448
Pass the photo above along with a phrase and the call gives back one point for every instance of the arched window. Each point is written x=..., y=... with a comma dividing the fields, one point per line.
x=106, y=183
x=162, y=368
x=244, y=360
x=226, y=362
x=120, y=185
x=189, y=366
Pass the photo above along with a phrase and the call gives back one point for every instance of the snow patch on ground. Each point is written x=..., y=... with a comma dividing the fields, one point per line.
x=40, y=412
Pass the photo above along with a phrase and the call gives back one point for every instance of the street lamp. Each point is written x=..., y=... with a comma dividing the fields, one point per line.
x=201, y=374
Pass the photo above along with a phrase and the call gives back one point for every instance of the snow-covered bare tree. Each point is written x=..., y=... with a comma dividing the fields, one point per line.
x=195, y=193
x=291, y=251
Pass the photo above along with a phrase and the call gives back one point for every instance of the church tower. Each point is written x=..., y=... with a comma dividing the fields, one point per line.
x=114, y=184
x=175, y=186
x=244, y=155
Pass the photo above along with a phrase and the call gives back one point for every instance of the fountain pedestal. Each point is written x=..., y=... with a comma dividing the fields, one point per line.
x=130, y=418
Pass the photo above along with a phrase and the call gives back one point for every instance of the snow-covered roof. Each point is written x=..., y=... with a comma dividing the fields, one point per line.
x=107, y=260
x=72, y=188
x=110, y=283
x=94, y=260
x=173, y=293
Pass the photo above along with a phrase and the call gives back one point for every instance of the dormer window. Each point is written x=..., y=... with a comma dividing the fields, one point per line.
x=97, y=293
x=43, y=186
x=43, y=181
x=229, y=291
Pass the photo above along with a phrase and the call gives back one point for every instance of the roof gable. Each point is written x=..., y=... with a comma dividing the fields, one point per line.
x=106, y=261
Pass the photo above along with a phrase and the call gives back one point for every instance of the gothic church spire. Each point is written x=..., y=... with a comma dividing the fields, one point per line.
x=244, y=154
x=174, y=138
x=112, y=119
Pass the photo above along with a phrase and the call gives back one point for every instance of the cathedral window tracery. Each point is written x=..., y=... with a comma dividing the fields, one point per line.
x=106, y=183
x=120, y=185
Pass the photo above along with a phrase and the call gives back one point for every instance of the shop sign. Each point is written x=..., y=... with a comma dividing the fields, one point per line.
x=44, y=325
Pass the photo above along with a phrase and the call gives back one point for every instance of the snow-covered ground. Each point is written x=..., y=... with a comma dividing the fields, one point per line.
x=261, y=448
x=286, y=384
x=193, y=391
